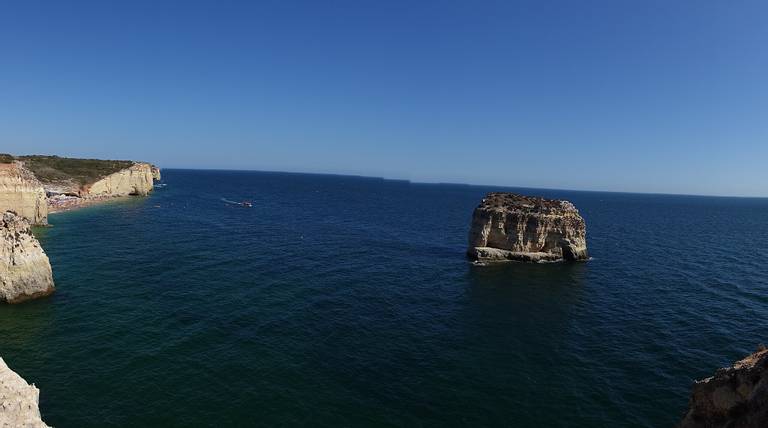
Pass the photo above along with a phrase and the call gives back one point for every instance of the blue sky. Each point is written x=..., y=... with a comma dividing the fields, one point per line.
x=644, y=96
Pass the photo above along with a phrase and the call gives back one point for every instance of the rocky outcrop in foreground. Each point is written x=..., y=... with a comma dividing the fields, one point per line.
x=18, y=401
x=21, y=192
x=735, y=397
x=507, y=226
x=25, y=272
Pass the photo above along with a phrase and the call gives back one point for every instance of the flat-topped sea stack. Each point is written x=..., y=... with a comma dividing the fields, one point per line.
x=735, y=397
x=19, y=401
x=25, y=272
x=512, y=227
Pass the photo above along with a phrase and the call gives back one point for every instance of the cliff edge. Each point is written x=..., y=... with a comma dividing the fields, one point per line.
x=91, y=178
x=735, y=397
x=33, y=186
x=22, y=192
x=18, y=401
x=25, y=272
x=511, y=227
x=137, y=179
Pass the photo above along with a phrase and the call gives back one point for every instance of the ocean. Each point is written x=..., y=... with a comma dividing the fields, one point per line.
x=339, y=301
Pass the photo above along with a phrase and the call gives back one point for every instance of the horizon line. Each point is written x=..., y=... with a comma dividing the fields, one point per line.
x=466, y=184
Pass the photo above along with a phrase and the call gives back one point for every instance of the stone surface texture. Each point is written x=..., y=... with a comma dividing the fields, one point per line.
x=512, y=227
x=25, y=272
x=22, y=193
x=18, y=401
x=735, y=397
x=135, y=180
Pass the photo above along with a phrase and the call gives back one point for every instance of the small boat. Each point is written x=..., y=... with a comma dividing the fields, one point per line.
x=246, y=204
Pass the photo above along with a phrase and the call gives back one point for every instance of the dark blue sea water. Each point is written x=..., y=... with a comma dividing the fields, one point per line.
x=346, y=301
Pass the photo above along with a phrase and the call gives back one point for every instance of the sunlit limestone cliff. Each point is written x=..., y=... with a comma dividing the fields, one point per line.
x=25, y=272
x=22, y=192
x=510, y=227
x=91, y=177
x=33, y=186
x=18, y=401
x=134, y=180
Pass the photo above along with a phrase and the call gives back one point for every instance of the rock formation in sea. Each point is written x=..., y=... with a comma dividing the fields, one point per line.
x=33, y=186
x=511, y=227
x=22, y=193
x=25, y=272
x=134, y=180
x=18, y=401
x=735, y=397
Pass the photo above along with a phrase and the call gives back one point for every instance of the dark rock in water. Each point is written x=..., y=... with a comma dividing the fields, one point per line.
x=507, y=226
x=735, y=397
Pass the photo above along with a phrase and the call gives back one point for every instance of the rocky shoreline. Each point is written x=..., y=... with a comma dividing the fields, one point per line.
x=64, y=203
x=32, y=187
x=27, y=199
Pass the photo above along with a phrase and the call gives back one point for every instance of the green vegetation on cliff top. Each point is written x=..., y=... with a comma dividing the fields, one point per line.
x=6, y=158
x=51, y=169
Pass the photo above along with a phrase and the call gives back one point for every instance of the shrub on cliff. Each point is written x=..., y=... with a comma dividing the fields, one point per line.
x=50, y=169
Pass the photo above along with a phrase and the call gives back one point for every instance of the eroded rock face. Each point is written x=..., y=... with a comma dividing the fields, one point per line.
x=156, y=173
x=22, y=193
x=507, y=226
x=25, y=272
x=735, y=397
x=18, y=401
x=135, y=180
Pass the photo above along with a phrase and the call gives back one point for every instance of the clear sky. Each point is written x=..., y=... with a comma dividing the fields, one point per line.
x=625, y=95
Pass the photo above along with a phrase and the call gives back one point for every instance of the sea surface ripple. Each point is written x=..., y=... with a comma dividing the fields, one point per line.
x=347, y=301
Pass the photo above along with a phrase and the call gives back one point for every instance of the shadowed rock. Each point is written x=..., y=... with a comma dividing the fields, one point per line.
x=735, y=397
x=511, y=227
